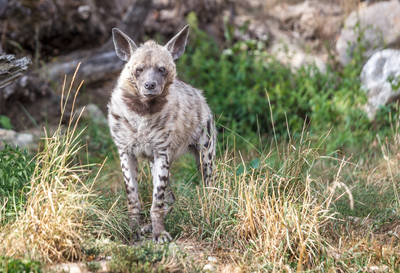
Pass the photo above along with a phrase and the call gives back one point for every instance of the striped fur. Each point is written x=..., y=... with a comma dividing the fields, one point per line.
x=158, y=124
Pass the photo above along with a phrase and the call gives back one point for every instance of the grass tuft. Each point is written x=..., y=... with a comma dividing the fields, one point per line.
x=51, y=225
x=270, y=211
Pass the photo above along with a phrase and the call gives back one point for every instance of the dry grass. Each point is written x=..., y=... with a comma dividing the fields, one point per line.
x=278, y=216
x=269, y=216
x=51, y=227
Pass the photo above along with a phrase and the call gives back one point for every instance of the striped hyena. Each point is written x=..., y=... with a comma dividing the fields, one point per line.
x=155, y=116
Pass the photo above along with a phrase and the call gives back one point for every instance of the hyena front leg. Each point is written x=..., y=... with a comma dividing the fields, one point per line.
x=205, y=151
x=129, y=170
x=159, y=207
x=169, y=199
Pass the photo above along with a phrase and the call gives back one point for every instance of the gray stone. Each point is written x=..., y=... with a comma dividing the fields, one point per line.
x=16, y=139
x=380, y=24
x=310, y=19
x=379, y=76
x=256, y=29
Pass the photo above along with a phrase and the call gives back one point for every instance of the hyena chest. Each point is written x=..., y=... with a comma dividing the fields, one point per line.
x=143, y=137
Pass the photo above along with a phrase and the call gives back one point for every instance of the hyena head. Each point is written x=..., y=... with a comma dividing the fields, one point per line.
x=150, y=68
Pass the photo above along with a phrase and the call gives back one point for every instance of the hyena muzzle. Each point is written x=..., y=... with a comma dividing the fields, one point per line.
x=155, y=116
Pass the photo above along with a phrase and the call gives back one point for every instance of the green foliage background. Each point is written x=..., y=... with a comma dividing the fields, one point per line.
x=252, y=93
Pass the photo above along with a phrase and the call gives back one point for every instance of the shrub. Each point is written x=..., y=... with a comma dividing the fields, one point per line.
x=250, y=91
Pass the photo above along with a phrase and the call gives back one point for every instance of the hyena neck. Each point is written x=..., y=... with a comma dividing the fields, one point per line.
x=143, y=107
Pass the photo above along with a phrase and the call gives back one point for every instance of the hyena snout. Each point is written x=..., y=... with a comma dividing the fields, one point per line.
x=150, y=85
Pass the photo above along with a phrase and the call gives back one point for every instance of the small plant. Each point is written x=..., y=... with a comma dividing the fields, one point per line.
x=10, y=265
x=143, y=258
x=93, y=266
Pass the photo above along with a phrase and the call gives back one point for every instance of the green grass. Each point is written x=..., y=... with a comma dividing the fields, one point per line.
x=16, y=169
x=11, y=265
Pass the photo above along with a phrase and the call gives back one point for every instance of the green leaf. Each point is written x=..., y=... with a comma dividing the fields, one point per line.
x=240, y=170
x=255, y=163
x=5, y=122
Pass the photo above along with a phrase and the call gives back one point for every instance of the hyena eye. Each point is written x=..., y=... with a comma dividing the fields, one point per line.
x=139, y=70
x=161, y=69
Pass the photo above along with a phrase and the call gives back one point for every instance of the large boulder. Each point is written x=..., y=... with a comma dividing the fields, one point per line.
x=380, y=77
x=289, y=50
x=377, y=24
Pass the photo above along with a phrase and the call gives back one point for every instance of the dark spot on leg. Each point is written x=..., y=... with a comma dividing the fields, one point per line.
x=163, y=178
x=160, y=196
x=126, y=178
x=209, y=127
x=115, y=116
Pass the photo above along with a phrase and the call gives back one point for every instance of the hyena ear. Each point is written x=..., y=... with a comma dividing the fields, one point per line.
x=178, y=43
x=124, y=46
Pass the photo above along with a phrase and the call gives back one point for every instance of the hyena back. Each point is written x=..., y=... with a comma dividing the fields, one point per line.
x=155, y=116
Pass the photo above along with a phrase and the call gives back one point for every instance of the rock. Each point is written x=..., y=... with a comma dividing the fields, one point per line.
x=288, y=50
x=293, y=56
x=209, y=267
x=17, y=139
x=92, y=112
x=380, y=25
x=255, y=29
x=212, y=259
x=377, y=269
x=311, y=20
x=379, y=76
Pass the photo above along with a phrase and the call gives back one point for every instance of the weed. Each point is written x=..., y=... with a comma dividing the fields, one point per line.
x=11, y=265
x=138, y=259
x=16, y=169
x=93, y=266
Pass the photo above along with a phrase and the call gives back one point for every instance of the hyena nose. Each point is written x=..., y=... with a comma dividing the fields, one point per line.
x=150, y=85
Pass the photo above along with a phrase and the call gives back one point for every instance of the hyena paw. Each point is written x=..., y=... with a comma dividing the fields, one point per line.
x=136, y=237
x=162, y=237
x=146, y=229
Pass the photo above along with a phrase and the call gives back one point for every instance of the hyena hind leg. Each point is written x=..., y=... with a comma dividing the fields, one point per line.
x=204, y=152
x=129, y=171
